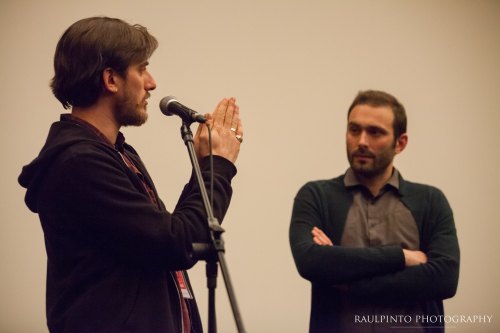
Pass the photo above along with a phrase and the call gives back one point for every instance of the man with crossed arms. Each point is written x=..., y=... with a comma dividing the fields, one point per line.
x=381, y=252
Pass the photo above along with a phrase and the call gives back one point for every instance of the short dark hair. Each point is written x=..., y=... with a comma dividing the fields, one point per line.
x=87, y=48
x=379, y=98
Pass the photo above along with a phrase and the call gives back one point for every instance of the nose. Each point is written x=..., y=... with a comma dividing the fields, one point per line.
x=363, y=139
x=150, y=82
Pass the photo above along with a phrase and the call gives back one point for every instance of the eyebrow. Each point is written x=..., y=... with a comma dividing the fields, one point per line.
x=369, y=127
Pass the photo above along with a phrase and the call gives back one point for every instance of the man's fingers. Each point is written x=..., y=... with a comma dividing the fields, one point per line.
x=235, y=120
x=414, y=258
x=320, y=238
x=229, y=114
x=317, y=240
x=220, y=113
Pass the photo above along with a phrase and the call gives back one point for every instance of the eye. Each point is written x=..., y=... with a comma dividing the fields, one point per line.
x=375, y=131
x=353, y=129
x=143, y=67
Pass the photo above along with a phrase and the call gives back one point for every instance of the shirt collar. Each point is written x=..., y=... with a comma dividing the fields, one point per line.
x=350, y=179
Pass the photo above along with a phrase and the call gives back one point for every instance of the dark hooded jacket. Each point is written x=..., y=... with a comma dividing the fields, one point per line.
x=110, y=250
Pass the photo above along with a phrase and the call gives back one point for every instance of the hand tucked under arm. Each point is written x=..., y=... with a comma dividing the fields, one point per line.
x=414, y=258
x=320, y=238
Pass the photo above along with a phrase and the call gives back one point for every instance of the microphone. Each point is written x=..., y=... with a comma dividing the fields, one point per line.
x=170, y=106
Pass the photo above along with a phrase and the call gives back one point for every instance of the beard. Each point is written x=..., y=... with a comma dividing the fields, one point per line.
x=128, y=112
x=376, y=164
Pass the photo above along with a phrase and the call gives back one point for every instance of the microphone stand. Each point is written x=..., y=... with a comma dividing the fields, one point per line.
x=212, y=253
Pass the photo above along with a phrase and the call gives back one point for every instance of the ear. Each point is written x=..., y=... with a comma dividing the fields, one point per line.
x=109, y=79
x=401, y=143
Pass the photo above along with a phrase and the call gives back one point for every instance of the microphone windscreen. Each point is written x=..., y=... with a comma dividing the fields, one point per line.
x=165, y=101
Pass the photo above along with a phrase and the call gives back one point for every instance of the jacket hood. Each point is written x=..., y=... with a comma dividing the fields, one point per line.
x=62, y=134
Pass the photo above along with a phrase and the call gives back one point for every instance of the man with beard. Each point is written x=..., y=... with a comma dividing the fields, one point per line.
x=116, y=256
x=380, y=252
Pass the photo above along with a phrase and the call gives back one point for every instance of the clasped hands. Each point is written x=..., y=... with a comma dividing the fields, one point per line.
x=412, y=258
x=226, y=131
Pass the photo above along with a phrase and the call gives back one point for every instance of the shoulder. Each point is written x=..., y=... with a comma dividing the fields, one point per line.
x=325, y=183
x=68, y=140
x=423, y=195
x=418, y=189
x=79, y=150
x=323, y=187
x=85, y=150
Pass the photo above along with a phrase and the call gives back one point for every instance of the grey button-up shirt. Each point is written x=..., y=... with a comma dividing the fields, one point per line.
x=378, y=221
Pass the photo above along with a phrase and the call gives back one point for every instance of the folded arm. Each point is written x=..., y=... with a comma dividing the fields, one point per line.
x=334, y=264
x=373, y=273
x=412, y=258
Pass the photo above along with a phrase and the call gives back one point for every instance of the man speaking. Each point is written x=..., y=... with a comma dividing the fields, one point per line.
x=116, y=258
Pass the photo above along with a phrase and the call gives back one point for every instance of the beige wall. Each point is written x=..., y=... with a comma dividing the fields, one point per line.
x=294, y=67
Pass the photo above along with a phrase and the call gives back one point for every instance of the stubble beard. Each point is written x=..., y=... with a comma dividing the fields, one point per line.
x=128, y=113
x=376, y=166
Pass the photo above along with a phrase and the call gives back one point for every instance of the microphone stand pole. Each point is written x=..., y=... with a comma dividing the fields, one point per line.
x=212, y=253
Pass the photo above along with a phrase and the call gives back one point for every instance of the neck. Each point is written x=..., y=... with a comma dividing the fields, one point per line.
x=100, y=116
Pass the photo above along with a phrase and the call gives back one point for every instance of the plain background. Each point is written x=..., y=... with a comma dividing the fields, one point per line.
x=294, y=67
